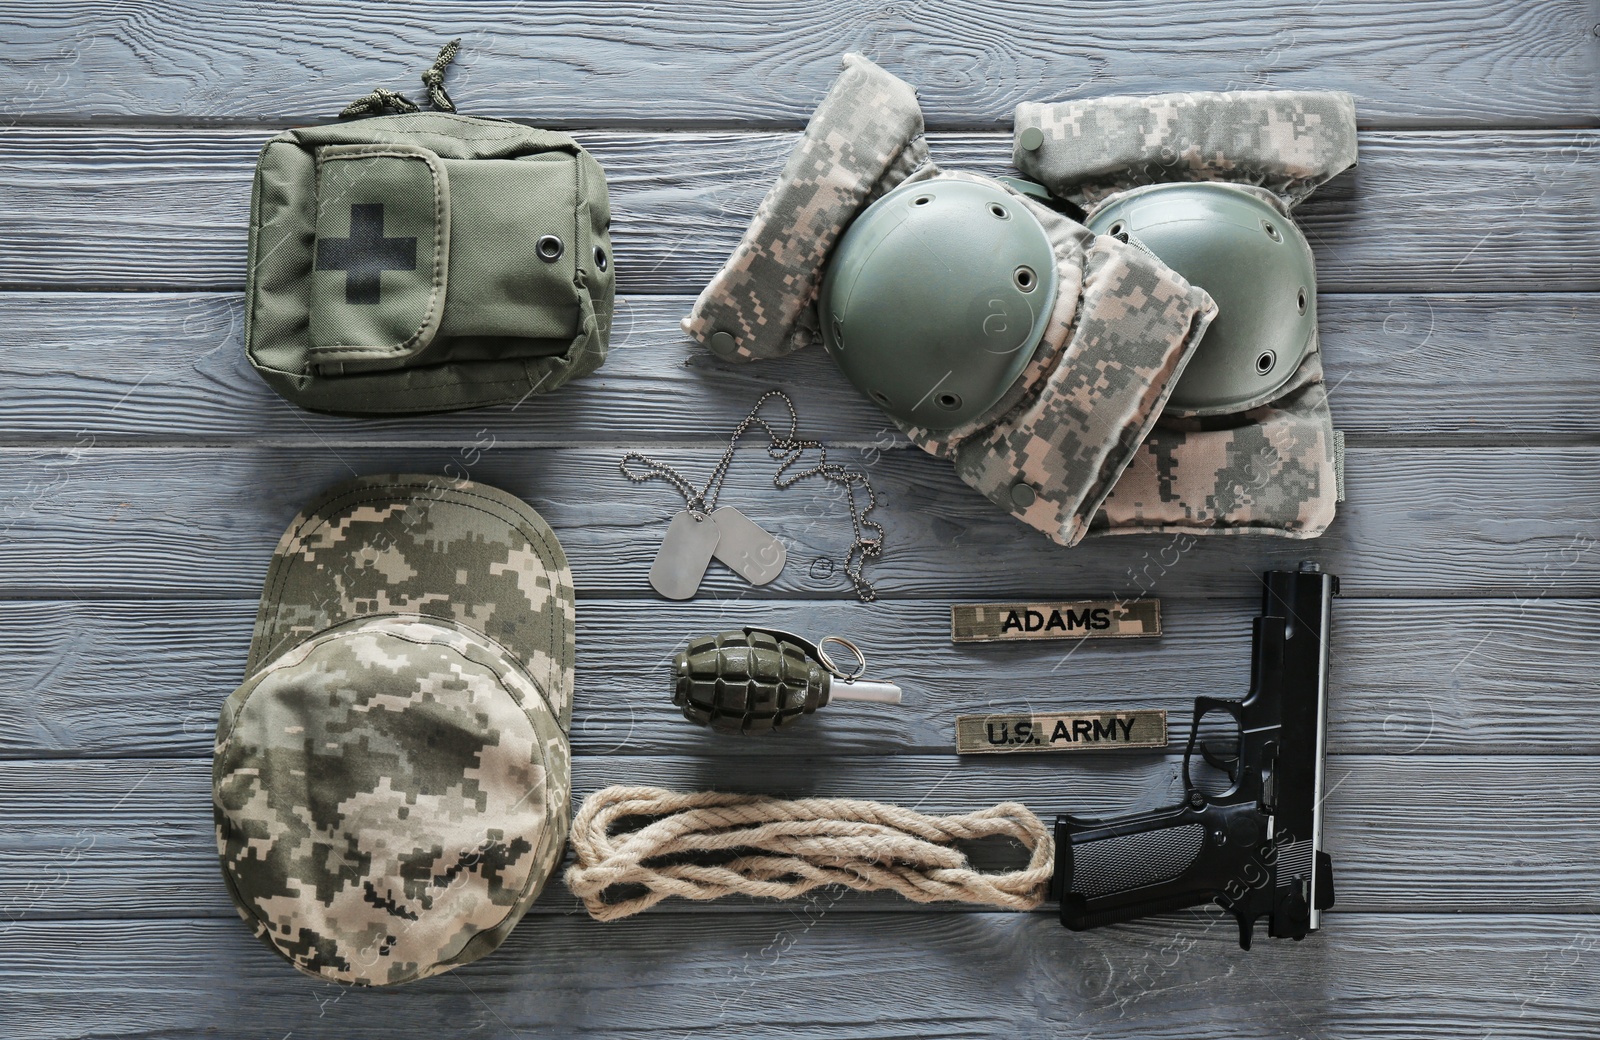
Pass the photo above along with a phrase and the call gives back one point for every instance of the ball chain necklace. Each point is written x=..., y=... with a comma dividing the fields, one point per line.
x=703, y=530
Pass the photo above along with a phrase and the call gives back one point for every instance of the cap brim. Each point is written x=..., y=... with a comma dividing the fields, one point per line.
x=417, y=544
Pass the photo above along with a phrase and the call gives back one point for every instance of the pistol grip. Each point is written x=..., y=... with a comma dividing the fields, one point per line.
x=1108, y=871
x=1117, y=870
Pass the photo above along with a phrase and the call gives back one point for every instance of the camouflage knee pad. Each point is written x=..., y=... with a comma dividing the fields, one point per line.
x=391, y=780
x=1082, y=442
x=1276, y=468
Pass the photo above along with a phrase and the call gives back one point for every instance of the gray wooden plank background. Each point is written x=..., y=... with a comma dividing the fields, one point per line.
x=144, y=677
x=79, y=369
x=1423, y=62
x=158, y=208
x=148, y=473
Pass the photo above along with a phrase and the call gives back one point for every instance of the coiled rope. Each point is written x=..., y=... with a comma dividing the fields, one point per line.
x=781, y=849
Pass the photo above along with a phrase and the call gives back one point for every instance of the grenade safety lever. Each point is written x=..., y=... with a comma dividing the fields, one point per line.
x=753, y=680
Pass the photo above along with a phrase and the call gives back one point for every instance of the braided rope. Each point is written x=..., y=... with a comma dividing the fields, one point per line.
x=791, y=847
x=433, y=79
x=379, y=102
x=382, y=101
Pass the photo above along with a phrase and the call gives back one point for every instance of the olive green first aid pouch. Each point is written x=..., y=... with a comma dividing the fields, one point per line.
x=426, y=261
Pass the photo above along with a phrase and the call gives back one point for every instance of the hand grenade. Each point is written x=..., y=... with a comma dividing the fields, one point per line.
x=753, y=680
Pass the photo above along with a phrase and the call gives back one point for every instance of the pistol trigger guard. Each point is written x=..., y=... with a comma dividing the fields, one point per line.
x=1204, y=706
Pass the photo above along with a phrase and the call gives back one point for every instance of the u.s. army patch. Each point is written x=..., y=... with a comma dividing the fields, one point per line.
x=1089, y=619
x=1078, y=731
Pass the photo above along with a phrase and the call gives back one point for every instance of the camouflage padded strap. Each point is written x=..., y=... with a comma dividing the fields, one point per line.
x=1287, y=141
x=1123, y=328
x=864, y=139
x=1274, y=472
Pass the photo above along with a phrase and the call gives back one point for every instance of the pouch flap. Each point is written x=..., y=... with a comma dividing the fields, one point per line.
x=516, y=255
x=382, y=256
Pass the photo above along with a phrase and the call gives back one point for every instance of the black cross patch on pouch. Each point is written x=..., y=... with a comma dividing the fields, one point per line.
x=366, y=254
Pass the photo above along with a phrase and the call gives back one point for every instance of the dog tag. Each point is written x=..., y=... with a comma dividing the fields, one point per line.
x=754, y=555
x=685, y=554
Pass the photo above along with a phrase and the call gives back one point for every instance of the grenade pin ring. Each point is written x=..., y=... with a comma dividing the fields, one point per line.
x=827, y=662
x=851, y=687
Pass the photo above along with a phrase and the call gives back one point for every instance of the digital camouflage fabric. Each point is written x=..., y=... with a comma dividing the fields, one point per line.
x=1286, y=141
x=864, y=139
x=426, y=262
x=391, y=795
x=1089, y=411
x=426, y=545
x=1274, y=469
x=1122, y=327
x=391, y=781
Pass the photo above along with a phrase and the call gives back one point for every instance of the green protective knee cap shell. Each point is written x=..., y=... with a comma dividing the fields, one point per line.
x=934, y=299
x=1257, y=267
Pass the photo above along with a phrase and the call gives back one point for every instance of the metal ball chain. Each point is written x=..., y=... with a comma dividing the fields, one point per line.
x=786, y=449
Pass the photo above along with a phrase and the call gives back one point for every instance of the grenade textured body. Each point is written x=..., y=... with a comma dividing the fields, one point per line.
x=745, y=681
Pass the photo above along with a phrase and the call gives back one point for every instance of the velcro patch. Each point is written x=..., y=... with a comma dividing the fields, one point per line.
x=1077, y=731
x=1086, y=619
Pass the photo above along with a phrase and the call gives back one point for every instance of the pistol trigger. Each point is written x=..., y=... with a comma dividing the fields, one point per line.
x=1227, y=763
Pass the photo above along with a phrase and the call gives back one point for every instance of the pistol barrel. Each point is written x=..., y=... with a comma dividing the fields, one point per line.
x=1295, y=684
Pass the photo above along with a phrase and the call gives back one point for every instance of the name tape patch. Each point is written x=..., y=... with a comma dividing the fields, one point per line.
x=1078, y=731
x=1087, y=619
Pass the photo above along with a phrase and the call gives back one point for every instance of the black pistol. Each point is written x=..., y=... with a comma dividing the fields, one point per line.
x=1256, y=848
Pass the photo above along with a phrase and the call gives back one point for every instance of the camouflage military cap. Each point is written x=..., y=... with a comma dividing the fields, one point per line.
x=390, y=783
